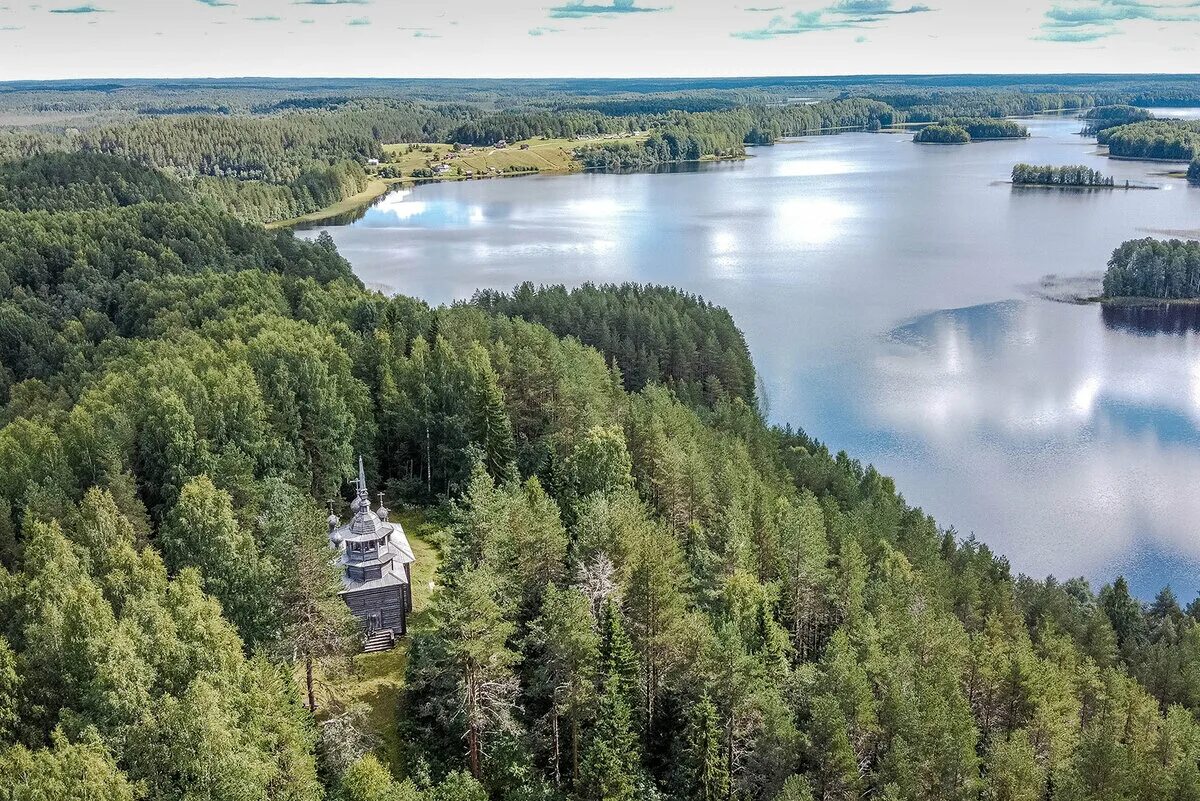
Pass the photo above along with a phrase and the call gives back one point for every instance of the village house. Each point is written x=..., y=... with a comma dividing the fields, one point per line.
x=375, y=559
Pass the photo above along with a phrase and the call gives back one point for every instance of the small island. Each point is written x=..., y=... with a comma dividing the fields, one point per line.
x=942, y=134
x=1153, y=269
x=961, y=130
x=1194, y=171
x=1076, y=175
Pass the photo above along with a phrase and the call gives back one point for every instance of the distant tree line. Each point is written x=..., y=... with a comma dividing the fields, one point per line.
x=1153, y=268
x=1075, y=175
x=689, y=137
x=932, y=105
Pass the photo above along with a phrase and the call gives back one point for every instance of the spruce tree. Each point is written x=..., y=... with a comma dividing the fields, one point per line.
x=610, y=763
x=491, y=428
x=704, y=773
x=618, y=661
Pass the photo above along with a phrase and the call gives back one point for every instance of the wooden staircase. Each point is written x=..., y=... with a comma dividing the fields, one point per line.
x=380, y=640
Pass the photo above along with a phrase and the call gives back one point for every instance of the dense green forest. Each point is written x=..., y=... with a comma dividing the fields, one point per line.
x=646, y=591
x=1103, y=117
x=689, y=137
x=1049, y=175
x=960, y=130
x=1174, y=140
x=1152, y=268
x=932, y=105
x=988, y=128
x=942, y=134
x=651, y=332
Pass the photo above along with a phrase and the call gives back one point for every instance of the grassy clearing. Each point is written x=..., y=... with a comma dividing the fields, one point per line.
x=542, y=155
x=375, y=189
x=377, y=680
x=519, y=158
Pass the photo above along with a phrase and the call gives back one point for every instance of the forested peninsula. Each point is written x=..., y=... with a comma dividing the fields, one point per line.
x=645, y=591
x=1167, y=140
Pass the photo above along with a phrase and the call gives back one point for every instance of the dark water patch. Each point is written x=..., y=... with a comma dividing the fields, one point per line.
x=1151, y=319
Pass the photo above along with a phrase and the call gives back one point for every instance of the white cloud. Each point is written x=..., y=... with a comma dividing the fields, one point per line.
x=470, y=38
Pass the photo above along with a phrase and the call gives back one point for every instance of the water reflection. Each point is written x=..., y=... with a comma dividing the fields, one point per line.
x=1153, y=318
x=1050, y=434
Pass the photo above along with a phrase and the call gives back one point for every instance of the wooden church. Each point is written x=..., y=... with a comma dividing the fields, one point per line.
x=374, y=556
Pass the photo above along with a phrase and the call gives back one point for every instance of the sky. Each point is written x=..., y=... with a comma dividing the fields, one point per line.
x=591, y=38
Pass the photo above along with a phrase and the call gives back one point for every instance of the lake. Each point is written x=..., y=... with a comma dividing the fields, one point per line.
x=883, y=287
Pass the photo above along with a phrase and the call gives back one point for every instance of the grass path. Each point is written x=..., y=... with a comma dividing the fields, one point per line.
x=377, y=680
x=375, y=188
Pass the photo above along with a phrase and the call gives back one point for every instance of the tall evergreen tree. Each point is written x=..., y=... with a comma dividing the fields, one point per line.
x=611, y=766
x=704, y=774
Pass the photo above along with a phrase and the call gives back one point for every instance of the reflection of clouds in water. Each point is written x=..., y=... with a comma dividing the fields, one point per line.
x=1072, y=447
x=810, y=220
x=805, y=167
x=399, y=208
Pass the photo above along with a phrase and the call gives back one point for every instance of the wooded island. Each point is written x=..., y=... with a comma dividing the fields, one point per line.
x=1076, y=175
x=1154, y=269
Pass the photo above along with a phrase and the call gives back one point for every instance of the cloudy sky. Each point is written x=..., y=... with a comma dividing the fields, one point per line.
x=500, y=38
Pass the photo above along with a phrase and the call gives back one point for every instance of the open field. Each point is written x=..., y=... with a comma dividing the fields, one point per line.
x=541, y=155
x=377, y=680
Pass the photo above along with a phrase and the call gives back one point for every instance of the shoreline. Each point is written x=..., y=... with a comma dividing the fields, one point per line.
x=379, y=187
x=376, y=188
x=1146, y=158
x=1016, y=185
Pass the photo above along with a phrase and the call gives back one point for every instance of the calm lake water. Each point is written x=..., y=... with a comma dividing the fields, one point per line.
x=883, y=288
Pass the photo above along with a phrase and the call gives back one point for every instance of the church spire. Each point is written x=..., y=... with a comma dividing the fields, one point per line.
x=362, y=484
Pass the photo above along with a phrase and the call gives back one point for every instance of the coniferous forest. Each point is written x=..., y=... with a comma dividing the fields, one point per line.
x=1049, y=175
x=645, y=591
x=1152, y=268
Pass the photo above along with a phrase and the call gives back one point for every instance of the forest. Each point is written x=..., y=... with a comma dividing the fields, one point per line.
x=1049, y=175
x=1102, y=117
x=267, y=150
x=989, y=128
x=1171, y=140
x=942, y=134
x=1152, y=268
x=646, y=591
